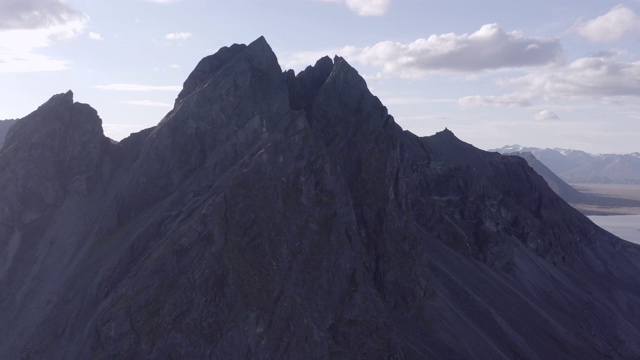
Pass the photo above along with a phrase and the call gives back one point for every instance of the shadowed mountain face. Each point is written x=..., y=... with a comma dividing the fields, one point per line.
x=274, y=215
x=4, y=127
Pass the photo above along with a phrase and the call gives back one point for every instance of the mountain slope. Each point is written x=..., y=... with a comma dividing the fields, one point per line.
x=275, y=215
x=4, y=127
x=564, y=190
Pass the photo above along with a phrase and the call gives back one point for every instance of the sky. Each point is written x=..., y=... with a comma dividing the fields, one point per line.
x=542, y=73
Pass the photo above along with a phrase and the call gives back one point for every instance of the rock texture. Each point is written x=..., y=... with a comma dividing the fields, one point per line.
x=274, y=215
x=4, y=127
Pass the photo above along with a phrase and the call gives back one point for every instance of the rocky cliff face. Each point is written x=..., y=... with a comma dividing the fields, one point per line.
x=275, y=215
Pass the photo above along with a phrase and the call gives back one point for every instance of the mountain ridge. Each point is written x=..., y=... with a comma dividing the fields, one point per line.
x=275, y=215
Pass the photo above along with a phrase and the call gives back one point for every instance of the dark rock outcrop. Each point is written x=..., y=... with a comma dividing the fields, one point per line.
x=273, y=215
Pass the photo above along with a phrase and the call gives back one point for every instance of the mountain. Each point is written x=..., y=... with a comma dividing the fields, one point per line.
x=575, y=166
x=4, y=127
x=564, y=190
x=282, y=215
x=587, y=203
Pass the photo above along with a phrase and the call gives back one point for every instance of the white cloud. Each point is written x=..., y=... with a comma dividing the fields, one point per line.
x=364, y=7
x=612, y=26
x=488, y=48
x=29, y=25
x=602, y=79
x=138, y=87
x=147, y=103
x=174, y=66
x=589, y=77
x=95, y=36
x=509, y=100
x=37, y=14
x=369, y=7
x=178, y=36
x=546, y=115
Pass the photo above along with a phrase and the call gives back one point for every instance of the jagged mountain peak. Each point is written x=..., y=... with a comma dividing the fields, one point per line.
x=304, y=86
x=447, y=144
x=55, y=152
x=57, y=125
x=259, y=51
x=446, y=134
x=287, y=216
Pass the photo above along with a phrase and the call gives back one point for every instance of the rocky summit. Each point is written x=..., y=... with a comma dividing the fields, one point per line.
x=275, y=215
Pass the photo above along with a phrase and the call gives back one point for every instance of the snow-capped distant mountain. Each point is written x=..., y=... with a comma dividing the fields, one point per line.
x=576, y=166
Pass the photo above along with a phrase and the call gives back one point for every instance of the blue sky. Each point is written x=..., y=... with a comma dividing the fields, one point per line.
x=537, y=73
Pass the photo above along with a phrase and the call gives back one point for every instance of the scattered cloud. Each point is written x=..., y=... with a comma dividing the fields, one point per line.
x=588, y=77
x=178, y=36
x=369, y=7
x=509, y=100
x=26, y=26
x=174, y=66
x=488, y=48
x=37, y=14
x=612, y=26
x=364, y=7
x=546, y=115
x=147, y=103
x=137, y=87
x=164, y=1
x=95, y=36
x=603, y=79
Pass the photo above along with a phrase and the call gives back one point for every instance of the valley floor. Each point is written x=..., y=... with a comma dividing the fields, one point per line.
x=612, y=199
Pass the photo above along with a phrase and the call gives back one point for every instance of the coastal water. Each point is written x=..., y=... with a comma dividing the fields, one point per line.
x=626, y=227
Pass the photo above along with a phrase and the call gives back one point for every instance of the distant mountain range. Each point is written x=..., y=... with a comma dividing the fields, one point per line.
x=4, y=127
x=575, y=166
